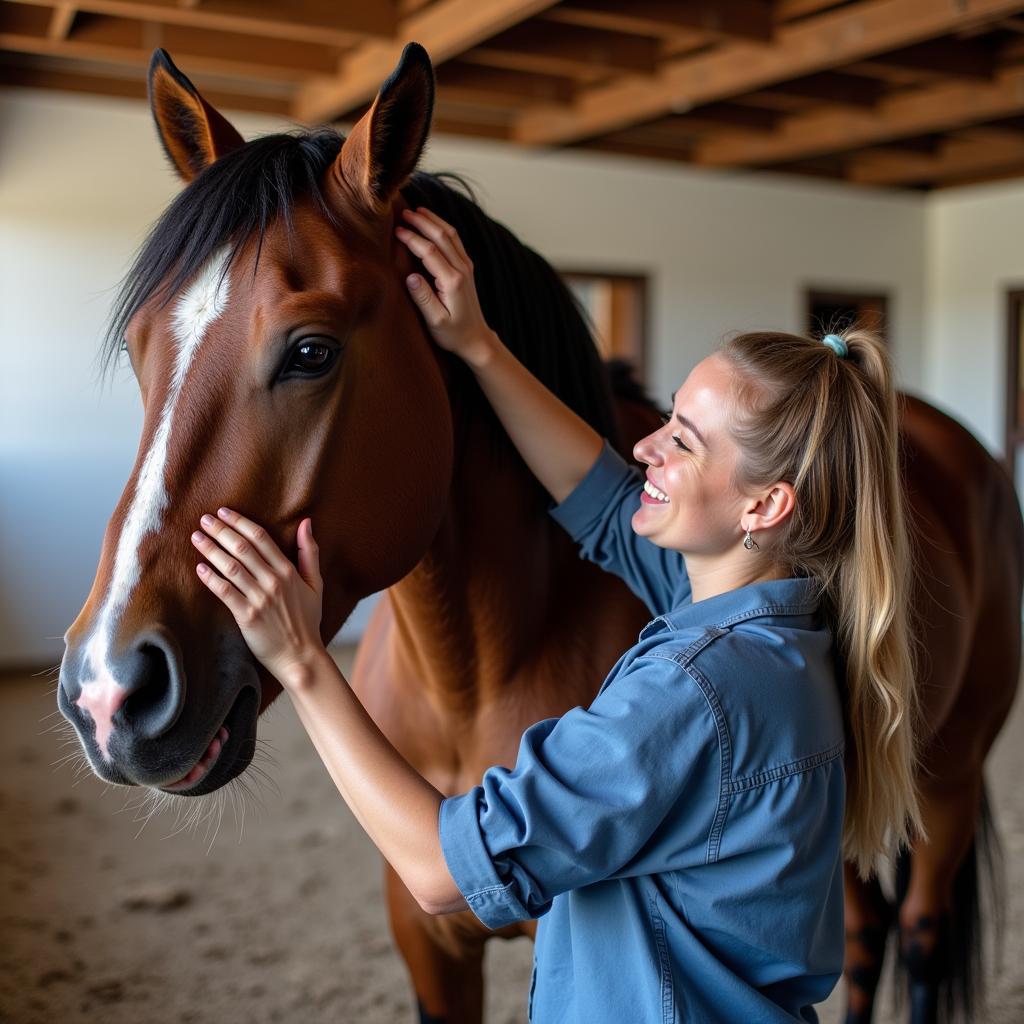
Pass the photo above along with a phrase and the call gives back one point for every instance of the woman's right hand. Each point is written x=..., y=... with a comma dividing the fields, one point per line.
x=452, y=313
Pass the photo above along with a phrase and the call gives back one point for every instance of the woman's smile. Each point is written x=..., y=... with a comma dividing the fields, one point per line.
x=652, y=496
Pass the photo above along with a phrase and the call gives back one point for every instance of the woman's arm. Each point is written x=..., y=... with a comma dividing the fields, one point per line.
x=557, y=445
x=278, y=610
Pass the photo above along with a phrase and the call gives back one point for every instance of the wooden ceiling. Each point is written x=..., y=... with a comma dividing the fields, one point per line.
x=909, y=93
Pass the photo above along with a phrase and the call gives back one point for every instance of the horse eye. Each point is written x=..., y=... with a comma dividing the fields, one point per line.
x=310, y=358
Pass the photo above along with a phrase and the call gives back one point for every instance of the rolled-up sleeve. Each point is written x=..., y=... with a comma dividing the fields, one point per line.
x=588, y=792
x=598, y=516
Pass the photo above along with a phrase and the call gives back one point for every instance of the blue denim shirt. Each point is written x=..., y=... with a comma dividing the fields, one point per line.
x=679, y=839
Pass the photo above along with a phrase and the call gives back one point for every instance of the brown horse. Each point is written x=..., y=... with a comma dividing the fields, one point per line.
x=967, y=609
x=284, y=372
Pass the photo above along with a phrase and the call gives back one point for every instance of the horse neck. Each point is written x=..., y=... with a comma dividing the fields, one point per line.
x=477, y=603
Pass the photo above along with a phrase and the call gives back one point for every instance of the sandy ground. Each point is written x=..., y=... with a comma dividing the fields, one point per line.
x=279, y=919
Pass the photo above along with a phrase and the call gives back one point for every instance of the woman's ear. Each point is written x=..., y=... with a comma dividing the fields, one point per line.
x=385, y=145
x=193, y=134
x=770, y=509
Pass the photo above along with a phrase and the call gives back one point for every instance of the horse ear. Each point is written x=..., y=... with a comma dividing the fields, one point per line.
x=385, y=145
x=193, y=134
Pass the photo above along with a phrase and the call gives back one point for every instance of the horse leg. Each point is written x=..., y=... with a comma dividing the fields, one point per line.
x=869, y=917
x=928, y=911
x=445, y=964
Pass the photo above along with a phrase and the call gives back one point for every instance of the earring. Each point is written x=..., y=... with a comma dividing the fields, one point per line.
x=749, y=543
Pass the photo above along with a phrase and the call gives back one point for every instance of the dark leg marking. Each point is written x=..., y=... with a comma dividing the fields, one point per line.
x=429, y=1018
x=926, y=953
x=864, y=976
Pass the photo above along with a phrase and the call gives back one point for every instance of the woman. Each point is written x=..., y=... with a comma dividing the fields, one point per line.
x=683, y=837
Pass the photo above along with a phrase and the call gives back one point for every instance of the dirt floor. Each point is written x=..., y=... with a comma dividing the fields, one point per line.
x=105, y=916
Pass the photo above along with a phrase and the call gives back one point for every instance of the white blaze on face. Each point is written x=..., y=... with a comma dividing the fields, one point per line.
x=198, y=306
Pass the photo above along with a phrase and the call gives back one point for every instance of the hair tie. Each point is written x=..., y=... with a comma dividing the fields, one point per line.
x=837, y=345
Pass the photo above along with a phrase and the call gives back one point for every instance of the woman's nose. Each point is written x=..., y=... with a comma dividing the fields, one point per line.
x=646, y=450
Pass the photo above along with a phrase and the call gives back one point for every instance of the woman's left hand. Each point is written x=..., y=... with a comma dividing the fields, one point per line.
x=277, y=607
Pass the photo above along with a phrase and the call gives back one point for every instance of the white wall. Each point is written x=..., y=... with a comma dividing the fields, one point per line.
x=975, y=253
x=81, y=179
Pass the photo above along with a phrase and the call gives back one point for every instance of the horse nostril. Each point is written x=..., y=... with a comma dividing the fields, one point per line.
x=155, y=687
x=152, y=680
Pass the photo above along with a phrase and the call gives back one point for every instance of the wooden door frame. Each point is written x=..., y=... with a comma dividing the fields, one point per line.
x=849, y=296
x=642, y=284
x=1014, y=431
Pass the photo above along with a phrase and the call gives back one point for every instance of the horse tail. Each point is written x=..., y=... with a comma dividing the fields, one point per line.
x=978, y=895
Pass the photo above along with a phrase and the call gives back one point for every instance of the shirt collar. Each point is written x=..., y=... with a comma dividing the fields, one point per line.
x=794, y=596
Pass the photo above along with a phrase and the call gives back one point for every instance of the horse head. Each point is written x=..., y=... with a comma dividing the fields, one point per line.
x=283, y=372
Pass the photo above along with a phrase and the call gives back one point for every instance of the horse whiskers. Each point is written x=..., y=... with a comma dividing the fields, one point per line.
x=76, y=756
x=193, y=813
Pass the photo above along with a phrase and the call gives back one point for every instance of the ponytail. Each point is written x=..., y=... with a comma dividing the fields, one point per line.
x=827, y=422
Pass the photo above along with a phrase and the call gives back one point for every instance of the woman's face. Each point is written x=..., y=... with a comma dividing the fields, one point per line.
x=696, y=507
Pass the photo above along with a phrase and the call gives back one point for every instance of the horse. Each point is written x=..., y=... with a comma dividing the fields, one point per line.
x=284, y=372
x=966, y=608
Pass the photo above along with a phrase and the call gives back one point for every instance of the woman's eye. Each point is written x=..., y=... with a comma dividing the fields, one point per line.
x=679, y=443
x=310, y=359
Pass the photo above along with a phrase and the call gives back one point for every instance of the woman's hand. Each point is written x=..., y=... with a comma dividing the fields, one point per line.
x=277, y=607
x=452, y=313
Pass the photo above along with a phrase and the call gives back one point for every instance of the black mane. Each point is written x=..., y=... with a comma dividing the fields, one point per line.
x=241, y=194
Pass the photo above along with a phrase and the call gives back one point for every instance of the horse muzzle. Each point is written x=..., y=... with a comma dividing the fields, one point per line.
x=139, y=724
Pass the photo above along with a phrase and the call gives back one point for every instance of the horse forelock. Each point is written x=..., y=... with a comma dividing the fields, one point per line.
x=229, y=205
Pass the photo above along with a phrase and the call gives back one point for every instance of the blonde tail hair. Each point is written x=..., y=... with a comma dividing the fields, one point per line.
x=828, y=424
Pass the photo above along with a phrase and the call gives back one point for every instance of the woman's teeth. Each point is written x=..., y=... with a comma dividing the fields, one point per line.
x=654, y=492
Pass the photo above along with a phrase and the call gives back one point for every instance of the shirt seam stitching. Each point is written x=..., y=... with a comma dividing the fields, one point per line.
x=684, y=657
x=487, y=891
x=725, y=747
x=778, y=609
x=797, y=767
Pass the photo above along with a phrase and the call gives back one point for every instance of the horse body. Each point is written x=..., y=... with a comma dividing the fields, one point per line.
x=969, y=571
x=311, y=388
x=499, y=626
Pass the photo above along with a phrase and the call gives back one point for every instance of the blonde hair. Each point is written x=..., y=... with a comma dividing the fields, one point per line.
x=827, y=424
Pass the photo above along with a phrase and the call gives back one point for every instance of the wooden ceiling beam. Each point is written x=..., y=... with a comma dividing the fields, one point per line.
x=789, y=10
x=61, y=20
x=974, y=153
x=728, y=117
x=446, y=28
x=488, y=86
x=236, y=51
x=822, y=42
x=624, y=147
x=197, y=55
x=446, y=124
x=835, y=88
x=625, y=19
x=947, y=58
x=566, y=49
x=132, y=87
x=928, y=145
x=342, y=23
x=944, y=107
x=719, y=19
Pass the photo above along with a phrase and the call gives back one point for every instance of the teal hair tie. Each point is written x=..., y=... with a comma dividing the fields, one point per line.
x=837, y=345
